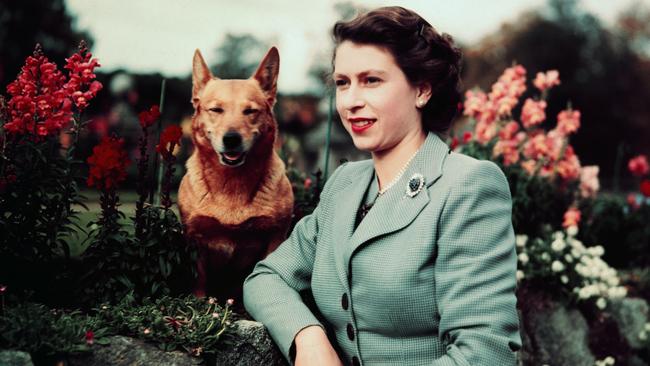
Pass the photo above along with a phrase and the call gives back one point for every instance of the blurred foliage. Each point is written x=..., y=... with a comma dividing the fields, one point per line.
x=196, y=326
x=624, y=232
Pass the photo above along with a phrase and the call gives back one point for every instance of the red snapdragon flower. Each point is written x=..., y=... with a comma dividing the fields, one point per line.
x=82, y=86
x=90, y=337
x=108, y=164
x=42, y=97
x=645, y=187
x=638, y=165
x=169, y=138
x=147, y=118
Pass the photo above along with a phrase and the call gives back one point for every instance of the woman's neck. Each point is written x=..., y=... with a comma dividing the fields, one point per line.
x=389, y=162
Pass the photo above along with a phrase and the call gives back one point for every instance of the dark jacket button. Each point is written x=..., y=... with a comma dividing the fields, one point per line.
x=355, y=361
x=344, y=301
x=350, y=332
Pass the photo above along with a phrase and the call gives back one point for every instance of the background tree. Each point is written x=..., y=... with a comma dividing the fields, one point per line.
x=27, y=22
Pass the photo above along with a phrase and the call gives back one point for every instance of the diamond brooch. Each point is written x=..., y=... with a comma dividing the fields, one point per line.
x=415, y=184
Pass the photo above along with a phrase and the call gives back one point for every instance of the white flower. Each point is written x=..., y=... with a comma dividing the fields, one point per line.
x=572, y=230
x=521, y=240
x=575, y=252
x=584, y=293
x=568, y=257
x=601, y=303
x=546, y=257
x=557, y=266
x=643, y=335
x=523, y=258
x=558, y=235
x=564, y=279
x=558, y=245
x=647, y=327
x=520, y=275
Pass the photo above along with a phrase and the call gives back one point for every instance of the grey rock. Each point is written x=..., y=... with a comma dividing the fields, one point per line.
x=630, y=314
x=557, y=336
x=15, y=358
x=636, y=361
x=129, y=351
x=251, y=345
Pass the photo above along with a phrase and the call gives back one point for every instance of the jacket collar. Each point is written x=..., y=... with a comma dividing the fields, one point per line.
x=392, y=211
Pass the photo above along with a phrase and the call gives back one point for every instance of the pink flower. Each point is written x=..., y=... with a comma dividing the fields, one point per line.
x=547, y=80
x=507, y=90
x=146, y=331
x=638, y=165
x=230, y=302
x=3, y=288
x=569, y=167
x=589, y=184
x=533, y=113
x=485, y=131
x=474, y=103
x=538, y=146
x=571, y=217
x=508, y=131
x=307, y=183
x=529, y=166
x=568, y=121
x=508, y=149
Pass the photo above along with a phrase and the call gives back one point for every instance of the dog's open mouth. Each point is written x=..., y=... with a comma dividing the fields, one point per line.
x=232, y=158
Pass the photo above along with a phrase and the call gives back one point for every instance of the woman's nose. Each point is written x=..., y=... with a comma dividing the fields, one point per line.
x=352, y=98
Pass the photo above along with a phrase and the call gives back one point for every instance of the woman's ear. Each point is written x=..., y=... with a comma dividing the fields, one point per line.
x=423, y=94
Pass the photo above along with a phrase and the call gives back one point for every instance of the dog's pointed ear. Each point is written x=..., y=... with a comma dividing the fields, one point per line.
x=267, y=74
x=200, y=76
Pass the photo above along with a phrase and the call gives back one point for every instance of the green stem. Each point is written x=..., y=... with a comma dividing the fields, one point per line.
x=330, y=115
x=157, y=162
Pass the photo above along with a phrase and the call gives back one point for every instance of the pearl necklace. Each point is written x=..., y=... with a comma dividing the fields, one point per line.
x=363, y=210
x=398, y=176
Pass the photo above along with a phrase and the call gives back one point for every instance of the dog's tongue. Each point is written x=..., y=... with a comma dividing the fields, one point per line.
x=232, y=156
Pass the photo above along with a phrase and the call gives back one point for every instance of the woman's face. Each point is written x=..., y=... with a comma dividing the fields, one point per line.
x=375, y=101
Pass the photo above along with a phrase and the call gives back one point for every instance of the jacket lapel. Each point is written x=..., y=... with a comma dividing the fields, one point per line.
x=347, y=201
x=392, y=211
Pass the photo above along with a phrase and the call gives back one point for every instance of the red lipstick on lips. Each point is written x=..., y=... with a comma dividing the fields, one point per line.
x=359, y=129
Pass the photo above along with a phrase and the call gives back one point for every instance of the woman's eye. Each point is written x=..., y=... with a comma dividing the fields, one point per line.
x=248, y=111
x=371, y=80
x=340, y=82
x=216, y=110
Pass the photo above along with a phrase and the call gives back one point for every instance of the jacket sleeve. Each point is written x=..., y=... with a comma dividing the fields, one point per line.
x=475, y=271
x=271, y=291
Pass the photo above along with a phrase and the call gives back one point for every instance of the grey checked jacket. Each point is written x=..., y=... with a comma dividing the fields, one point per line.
x=423, y=280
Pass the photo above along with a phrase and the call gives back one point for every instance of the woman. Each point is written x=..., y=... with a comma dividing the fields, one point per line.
x=410, y=255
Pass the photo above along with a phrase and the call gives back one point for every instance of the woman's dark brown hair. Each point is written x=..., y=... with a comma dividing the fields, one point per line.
x=420, y=51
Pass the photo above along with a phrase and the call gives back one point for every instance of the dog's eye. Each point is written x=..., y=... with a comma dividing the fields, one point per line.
x=216, y=110
x=248, y=111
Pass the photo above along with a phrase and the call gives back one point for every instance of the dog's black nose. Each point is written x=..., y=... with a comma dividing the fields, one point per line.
x=231, y=140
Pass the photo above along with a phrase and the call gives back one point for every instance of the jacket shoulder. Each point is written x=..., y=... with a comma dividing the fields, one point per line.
x=460, y=167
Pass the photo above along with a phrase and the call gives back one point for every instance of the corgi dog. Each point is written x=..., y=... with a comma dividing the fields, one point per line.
x=235, y=199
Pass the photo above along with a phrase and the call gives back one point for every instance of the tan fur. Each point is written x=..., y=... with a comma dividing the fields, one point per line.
x=237, y=215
